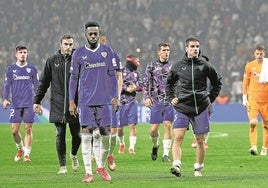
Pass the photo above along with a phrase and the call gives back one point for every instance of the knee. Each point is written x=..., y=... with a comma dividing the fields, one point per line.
x=253, y=124
x=28, y=129
x=86, y=129
x=104, y=131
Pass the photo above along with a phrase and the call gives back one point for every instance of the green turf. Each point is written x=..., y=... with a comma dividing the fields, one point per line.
x=227, y=164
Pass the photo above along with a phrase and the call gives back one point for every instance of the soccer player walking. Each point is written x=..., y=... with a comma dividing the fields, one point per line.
x=132, y=83
x=255, y=97
x=21, y=80
x=187, y=91
x=56, y=73
x=93, y=72
x=161, y=111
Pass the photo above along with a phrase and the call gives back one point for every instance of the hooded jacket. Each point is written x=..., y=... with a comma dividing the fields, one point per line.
x=187, y=81
x=56, y=74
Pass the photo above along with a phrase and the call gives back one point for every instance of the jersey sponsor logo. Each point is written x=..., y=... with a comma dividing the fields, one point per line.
x=16, y=77
x=95, y=65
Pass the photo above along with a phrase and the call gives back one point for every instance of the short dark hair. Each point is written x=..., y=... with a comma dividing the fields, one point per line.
x=163, y=44
x=91, y=24
x=20, y=47
x=66, y=36
x=191, y=39
x=260, y=47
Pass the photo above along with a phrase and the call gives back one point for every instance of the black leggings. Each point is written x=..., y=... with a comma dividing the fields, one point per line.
x=61, y=140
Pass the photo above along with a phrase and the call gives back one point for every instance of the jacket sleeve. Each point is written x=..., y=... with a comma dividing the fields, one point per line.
x=171, y=84
x=216, y=83
x=147, y=83
x=44, y=83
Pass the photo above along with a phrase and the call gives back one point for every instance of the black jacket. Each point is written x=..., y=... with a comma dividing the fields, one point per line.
x=56, y=74
x=187, y=81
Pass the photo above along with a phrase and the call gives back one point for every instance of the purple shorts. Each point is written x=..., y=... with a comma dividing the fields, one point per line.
x=128, y=114
x=17, y=115
x=96, y=116
x=160, y=113
x=200, y=123
x=115, y=119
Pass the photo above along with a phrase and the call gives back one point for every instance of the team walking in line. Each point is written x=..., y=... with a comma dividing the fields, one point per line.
x=176, y=95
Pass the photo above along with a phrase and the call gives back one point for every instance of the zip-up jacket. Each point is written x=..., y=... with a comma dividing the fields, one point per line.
x=56, y=74
x=187, y=81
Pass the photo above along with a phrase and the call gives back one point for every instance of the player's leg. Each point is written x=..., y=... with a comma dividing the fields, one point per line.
x=28, y=118
x=61, y=146
x=180, y=126
x=253, y=123
x=86, y=116
x=167, y=140
x=155, y=119
x=76, y=141
x=15, y=119
x=200, y=126
x=264, y=115
x=132, y=121
x=104, y=115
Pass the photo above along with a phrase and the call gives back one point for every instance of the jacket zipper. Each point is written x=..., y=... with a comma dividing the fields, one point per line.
x=65, y=92
x=193, y=88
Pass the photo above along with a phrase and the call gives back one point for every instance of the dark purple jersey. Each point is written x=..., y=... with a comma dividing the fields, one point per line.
x=130, y=77
x=94, y=71
x=20, y=83
x=155, y=79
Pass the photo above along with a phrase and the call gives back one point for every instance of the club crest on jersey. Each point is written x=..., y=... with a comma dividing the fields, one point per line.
x=104, y=54
x=84, y=57
x=28, y=70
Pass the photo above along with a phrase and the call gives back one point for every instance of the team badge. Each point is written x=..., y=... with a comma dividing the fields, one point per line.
x=28, y=70
x=104, y=54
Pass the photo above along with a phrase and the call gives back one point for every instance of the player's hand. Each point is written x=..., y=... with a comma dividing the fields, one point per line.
x=115, y=104
x=245, y=100
x=148, y=102
x=6, y=103
x=175, y=101
x=38, y=109
x=72, y=108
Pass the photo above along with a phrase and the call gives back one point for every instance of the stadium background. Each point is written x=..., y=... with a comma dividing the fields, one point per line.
x=228, y=29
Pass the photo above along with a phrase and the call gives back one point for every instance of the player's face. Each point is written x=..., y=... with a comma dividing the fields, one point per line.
x=92, y=35
x=164, y=53
x=67, y=46
x=259, y=55
x=21, y=55
x=192, y=49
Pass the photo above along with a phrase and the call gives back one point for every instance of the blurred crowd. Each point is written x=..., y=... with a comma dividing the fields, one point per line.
x=227, y=29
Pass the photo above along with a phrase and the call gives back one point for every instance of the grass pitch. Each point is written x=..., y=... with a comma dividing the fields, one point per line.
x=227, y=164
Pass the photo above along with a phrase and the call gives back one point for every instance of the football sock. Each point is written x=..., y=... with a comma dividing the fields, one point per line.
x=96, y=148
x=253, y=136
x=121, y=140
x=155, y=141
x=104, y=151
x=27, y=150
x=19, y=145
x=176, y=163
x=112, y=144
x=132, y=142
x=265, y=137
x=86, y=144
x=166, y=146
